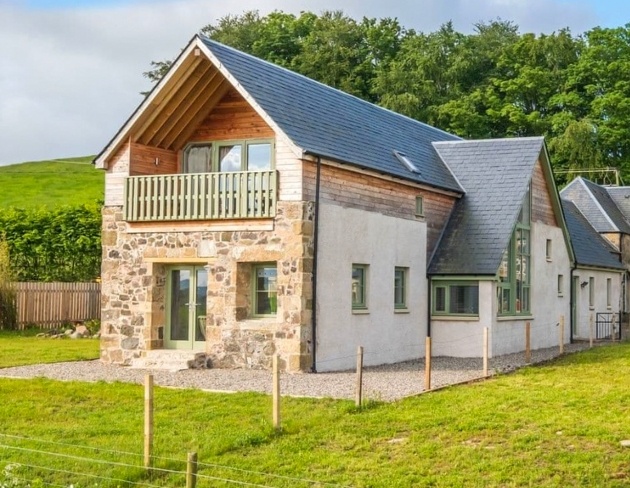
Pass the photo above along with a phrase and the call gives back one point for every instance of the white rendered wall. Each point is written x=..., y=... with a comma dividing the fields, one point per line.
x=508, y=336
x=348, y=236
x=583, y=309
x=464, y=337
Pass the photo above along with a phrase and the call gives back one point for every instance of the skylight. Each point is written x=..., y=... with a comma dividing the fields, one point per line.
x=404, y=159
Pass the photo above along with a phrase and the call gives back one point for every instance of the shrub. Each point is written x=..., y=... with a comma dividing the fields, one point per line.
x=8, y=310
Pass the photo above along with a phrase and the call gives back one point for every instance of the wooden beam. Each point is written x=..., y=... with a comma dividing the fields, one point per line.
x=185, y=88
x=198, y=117
x=202, y=89
x=162, y=98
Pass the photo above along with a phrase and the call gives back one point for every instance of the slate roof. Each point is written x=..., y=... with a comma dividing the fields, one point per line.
x=621, y=197
x=590, y=248
x=330, y=123
x=495, y=175
x=608, y=205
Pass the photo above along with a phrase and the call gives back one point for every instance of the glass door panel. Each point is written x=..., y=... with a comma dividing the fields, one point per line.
x=186, y=307
x=180, y=311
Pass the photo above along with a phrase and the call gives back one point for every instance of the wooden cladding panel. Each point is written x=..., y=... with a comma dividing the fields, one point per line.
x=232, y=118
x=143, y=160
x=365, y=192
x=542, y=209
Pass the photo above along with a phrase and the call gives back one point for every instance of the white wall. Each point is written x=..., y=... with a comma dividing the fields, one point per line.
x=583, y=309
x=508, y=336
x=348, y=236
x=464, y=337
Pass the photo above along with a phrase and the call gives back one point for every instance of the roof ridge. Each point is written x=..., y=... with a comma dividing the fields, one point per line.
x=497, y=140
x=311, y=80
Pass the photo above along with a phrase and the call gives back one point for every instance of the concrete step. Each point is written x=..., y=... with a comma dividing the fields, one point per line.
x=165, y=360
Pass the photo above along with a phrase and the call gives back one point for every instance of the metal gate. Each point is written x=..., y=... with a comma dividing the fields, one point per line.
x=607, y=326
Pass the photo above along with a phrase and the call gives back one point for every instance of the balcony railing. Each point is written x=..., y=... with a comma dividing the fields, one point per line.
x=201, y=196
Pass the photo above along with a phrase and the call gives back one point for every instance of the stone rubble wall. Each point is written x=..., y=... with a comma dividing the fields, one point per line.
x=134, y=271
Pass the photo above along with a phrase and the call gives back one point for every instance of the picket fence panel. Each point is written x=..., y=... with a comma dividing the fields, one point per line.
x=49, y=305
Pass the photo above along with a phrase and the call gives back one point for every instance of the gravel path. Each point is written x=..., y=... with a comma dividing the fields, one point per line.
x=387, y=383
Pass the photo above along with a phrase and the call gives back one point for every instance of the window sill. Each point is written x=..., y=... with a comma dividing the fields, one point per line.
x=506, y=318
x=401, y=310
x=360, y=311
x=549, y=260
x=455, y=318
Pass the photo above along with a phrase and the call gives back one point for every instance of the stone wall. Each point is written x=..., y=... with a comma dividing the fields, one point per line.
x=135, y=266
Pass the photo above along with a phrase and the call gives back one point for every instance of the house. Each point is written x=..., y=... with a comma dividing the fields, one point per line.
x=596, y=280
x=607, y=211
x=250, y=211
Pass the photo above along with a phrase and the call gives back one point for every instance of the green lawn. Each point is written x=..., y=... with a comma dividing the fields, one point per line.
x=22, y=348
x=51, y=183
x=556, y=425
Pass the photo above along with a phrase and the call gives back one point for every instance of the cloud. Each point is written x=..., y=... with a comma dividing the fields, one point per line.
x=70, y=77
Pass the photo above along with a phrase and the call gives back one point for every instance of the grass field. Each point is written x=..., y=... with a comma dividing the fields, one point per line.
x=51, y=183
x=22, y=348
x=555, y=425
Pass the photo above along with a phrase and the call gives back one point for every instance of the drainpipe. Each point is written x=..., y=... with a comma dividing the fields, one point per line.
x=429, y=307
x=315, y=246
x=572, y=311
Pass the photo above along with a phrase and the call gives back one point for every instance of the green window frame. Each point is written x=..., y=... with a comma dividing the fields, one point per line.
x=359, y=286
x=419, y=206
x=459, y=298
x=400, y=287
x=265, y=290
x=230, y=156
x=514, y=275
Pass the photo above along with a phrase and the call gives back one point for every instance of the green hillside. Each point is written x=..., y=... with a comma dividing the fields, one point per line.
x=50, y=183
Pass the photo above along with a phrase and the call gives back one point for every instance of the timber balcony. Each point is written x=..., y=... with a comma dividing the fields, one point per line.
x=201, y=196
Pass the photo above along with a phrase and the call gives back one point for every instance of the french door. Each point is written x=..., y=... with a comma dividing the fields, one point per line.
x=186, y=307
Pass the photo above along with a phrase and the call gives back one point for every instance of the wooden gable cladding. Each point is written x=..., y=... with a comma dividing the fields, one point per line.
x=232, y=118
x=181, y=105
x=147, y=160
x=365, y=192
x=542, y=208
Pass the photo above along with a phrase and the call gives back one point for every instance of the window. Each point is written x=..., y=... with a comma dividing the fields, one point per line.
x=513, y=291
x=419, y=206
x=591, y=292
x=198, y=159
x=359, y=286
x=456, y=298
x=400, y=288
x=609, y=292
x=228, y=156
x=560, y=285
x=265, y=290
x=548, y=250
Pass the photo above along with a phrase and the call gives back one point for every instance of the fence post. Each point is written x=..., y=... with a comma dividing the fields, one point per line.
x=561, y=333
x=427, y=364
x=191, y=470
x=148, y=419
x=614, y=322
x=485, y=351
x=528, y=342
x=590, y=327
x=276, y=393
x=359, y=388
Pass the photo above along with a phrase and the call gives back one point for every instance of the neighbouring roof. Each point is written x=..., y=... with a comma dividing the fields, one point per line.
x=330, y=123
x=495, y=174
x=597, y=205
x=590, y=248
x=621, y=197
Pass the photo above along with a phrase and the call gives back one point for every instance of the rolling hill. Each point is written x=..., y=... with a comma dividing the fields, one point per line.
x=50, y=183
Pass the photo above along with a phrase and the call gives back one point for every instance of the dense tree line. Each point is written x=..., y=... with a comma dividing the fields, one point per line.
x=495, y=82
x=62, y=244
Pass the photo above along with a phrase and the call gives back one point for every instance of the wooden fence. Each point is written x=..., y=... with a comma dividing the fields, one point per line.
x=52, y=304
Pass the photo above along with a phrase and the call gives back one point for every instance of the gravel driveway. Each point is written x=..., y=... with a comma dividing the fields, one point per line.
x=388, y=382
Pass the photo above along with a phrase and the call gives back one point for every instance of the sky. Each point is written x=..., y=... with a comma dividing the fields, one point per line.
x=71, y=70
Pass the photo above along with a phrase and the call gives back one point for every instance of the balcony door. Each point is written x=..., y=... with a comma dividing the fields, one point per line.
x=186, y=307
